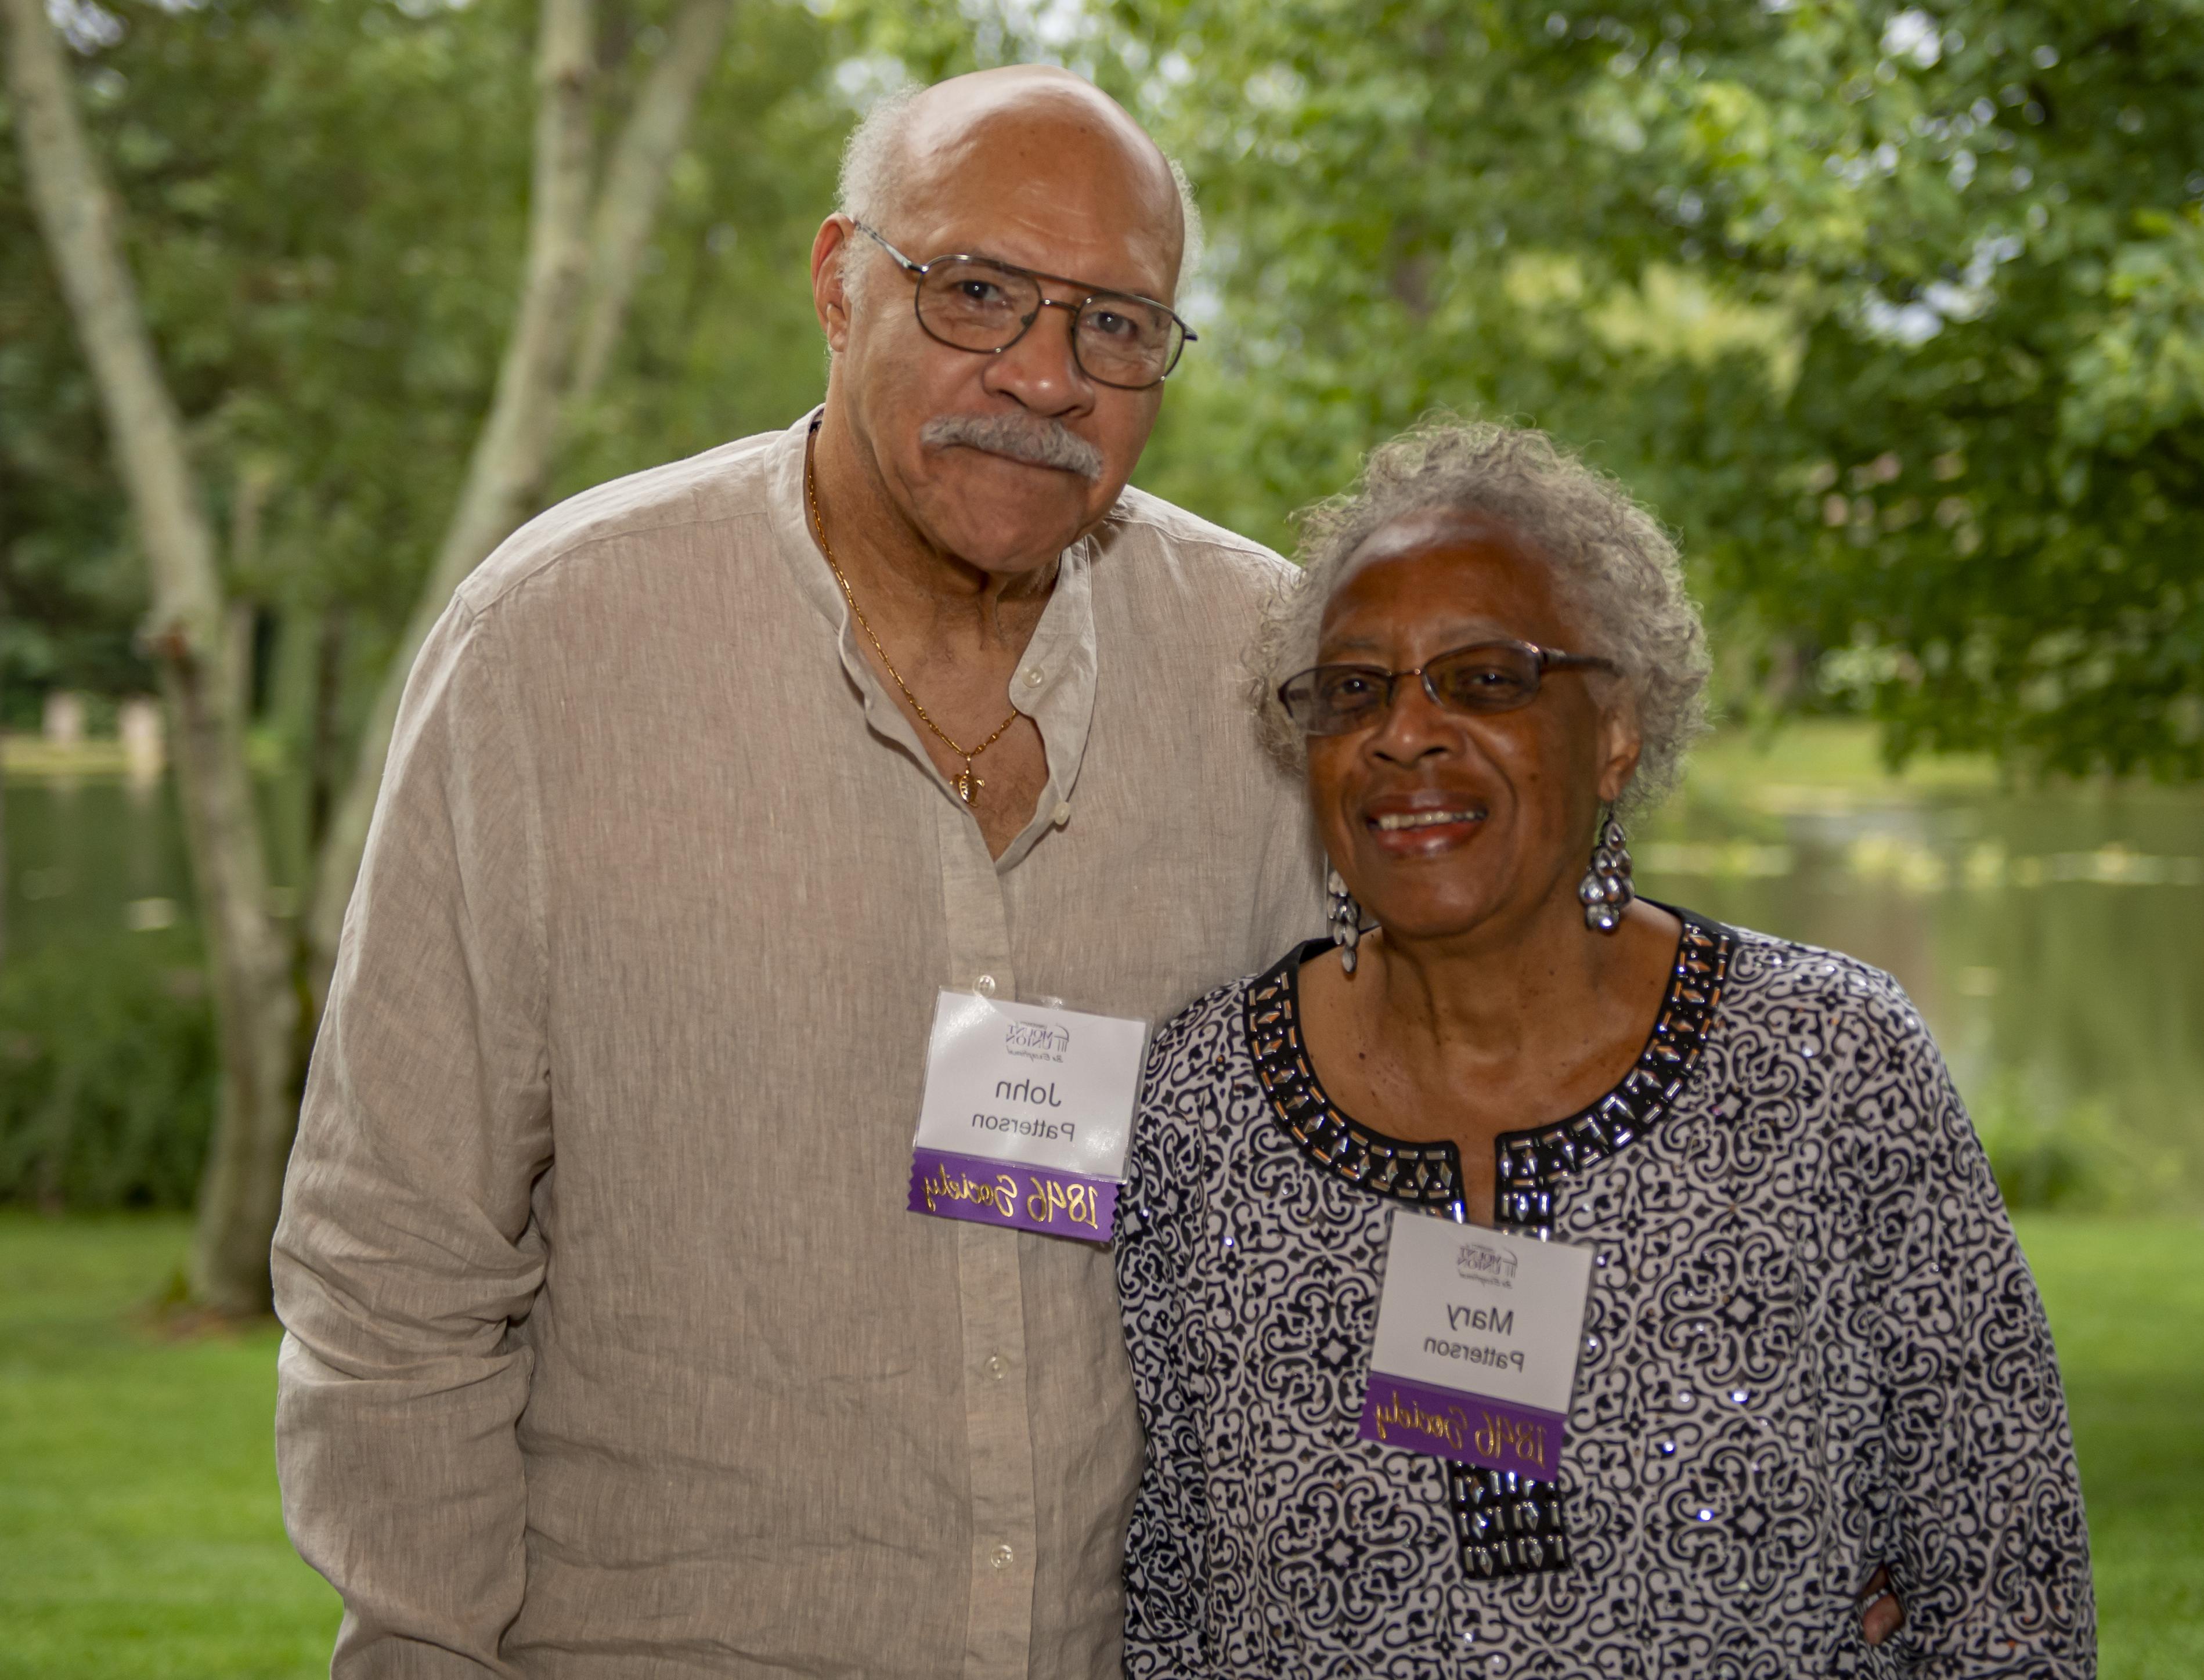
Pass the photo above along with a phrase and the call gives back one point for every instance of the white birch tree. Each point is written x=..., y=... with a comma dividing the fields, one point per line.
x=587, y=229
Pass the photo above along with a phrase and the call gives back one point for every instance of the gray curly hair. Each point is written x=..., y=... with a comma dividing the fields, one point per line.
x=1616, y=570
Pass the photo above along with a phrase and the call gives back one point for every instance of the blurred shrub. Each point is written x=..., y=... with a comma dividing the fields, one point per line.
x=108, y=1072
x=2047, y=1156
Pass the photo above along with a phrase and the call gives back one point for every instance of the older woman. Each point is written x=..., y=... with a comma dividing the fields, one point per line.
x=1811, y=1356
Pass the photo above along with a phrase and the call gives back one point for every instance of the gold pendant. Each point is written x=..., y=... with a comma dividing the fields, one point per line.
x=967, y=786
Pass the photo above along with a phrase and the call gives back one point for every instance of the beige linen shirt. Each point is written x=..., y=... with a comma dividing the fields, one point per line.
x=612, y=1350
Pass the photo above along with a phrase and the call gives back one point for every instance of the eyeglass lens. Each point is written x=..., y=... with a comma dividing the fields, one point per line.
x=1336, y=699
x=1119, y=340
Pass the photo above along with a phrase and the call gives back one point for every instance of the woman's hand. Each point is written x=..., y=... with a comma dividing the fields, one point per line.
x=1881, y=1613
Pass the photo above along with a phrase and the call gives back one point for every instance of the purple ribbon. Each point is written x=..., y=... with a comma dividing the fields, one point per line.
x=1469, y=1428
x=1010, y=1193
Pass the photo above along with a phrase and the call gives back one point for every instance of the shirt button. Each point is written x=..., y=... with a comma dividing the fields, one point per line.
x=1062, y=814
x=996, y=1367
x=984, y=985
x=1002, y=1557
x=1035, y=676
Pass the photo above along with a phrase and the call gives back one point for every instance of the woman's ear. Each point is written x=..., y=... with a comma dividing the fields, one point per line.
x=1619, y=744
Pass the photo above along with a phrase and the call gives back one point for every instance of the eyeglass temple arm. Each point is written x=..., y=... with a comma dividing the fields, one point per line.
x=1550, y=658
x=875, y=236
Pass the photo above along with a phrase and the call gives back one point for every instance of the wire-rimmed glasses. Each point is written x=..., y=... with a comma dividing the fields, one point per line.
x=1487, y=677
x=1118, y=339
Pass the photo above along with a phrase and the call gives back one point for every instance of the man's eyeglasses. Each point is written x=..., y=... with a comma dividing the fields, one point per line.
x=1489, y=676
x=975, y=303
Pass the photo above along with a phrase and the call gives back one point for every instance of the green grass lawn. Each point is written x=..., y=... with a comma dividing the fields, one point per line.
x=2126, y=1300
x=140, y=1535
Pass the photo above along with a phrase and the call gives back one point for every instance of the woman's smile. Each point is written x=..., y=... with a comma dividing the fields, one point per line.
x=1423, y=824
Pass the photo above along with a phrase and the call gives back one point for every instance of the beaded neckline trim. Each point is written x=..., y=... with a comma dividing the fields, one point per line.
x=1422, y=1175
x=1529, y=1162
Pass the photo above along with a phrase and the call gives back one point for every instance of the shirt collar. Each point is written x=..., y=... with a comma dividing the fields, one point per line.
x=1061, y=652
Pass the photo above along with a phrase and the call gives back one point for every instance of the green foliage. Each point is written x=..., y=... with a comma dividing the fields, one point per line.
x=325, y=204
x=321, y=203
x=2055, y=1157
x=1899, y=315
x=722, y=341
x=68, y=588
x=108, y=1073
x=1895, y=314
x=2044, y=1160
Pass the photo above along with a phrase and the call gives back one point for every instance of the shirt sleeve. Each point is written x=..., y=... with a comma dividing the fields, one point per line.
x=1984, y=1529
x=1165, y=1562
x=407, y=1254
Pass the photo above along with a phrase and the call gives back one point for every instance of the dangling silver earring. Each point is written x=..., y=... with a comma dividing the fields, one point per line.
x=1345, y=916
x=1605, y=889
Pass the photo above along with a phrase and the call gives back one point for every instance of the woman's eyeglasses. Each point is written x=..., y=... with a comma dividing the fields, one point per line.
x=1489, y=676
x=976, y=304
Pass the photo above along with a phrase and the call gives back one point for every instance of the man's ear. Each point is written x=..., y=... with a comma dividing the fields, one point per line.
x=830, y=298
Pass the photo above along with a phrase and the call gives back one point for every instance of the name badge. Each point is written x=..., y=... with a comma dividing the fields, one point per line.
x=1028, y=1114
x=1476, y=1353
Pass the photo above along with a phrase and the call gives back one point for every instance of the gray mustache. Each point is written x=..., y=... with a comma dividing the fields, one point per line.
x=1028, y=438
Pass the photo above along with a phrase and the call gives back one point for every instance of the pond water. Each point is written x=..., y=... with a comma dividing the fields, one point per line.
x=2053, y=940
x=90, y=854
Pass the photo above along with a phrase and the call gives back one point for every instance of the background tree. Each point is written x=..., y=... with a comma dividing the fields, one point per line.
x=1895, y=312
x=315, y=427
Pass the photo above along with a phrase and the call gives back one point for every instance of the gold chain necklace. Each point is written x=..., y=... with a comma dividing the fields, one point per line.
x=967, y=784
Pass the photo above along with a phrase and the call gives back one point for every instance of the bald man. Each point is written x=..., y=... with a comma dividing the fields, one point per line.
x=612, y=1348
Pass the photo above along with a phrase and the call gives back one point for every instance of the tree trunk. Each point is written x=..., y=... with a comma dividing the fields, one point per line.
x=256, y=1006
x=512, y=456
x=267, y=997
x=575, y=259
x=253, y=1001
x=240, y=630
x=635, y=182
x=3, y=808
x=322, y=733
